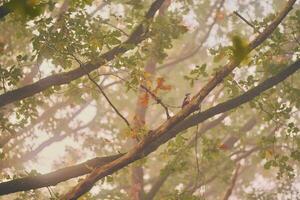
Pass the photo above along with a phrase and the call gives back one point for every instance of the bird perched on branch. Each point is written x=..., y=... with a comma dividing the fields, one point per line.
x=186, y=100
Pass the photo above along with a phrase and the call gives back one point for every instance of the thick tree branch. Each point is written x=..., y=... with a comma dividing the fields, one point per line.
x=169, y=129
x=244, y=98
x=53, y=178
x=135, y=38
x=140, y=151
x=189, y=122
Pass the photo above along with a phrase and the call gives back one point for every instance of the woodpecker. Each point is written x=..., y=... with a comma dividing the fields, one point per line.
x=186, y=100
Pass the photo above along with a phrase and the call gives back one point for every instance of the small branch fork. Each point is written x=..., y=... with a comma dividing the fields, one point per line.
x=103, y=93
x=157, y=99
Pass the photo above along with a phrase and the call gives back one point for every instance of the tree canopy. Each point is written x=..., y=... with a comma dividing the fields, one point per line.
x=149, y=100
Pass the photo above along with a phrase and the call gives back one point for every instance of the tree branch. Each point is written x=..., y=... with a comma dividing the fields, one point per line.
x=58, y=179
x=189, y=122
x=53, y=178
x=169, y=129
x=157, y=99
x=137, y=36
x=244, y=98
x=246, y=21
x=177, y=124
x=108, y=100
x=149, y=145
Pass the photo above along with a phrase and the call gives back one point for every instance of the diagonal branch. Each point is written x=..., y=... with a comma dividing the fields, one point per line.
x=145, y=146
x=53, y=178
x=246, y=21
x=102, y=91
x=62, y=175
x=169, y=129
x=137, y=36
x=108, y=100
x=244, y=98
x=176, y=124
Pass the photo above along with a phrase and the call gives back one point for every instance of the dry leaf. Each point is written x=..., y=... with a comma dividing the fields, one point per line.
x=144, y=99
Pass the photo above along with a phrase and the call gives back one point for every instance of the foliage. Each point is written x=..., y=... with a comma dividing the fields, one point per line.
x=71, y=123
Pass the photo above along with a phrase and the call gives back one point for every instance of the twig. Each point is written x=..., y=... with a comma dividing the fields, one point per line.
x=109, y=101
x=158, y=100
x=115, y=27
x=246, y=21
x=103, y=93
x=50, y=192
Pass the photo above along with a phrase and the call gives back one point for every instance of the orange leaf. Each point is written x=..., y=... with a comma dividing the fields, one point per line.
x=144, y=99
x=160, y=81
x=148, y=83
x=223, y=147
x=161, y=84
x=220, y=16
x=166, y=87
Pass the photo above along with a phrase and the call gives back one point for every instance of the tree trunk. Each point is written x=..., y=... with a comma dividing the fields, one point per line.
x=139, y=121
x=137, y=173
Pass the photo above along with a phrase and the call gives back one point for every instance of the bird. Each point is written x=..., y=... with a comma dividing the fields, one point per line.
x=186, y=100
